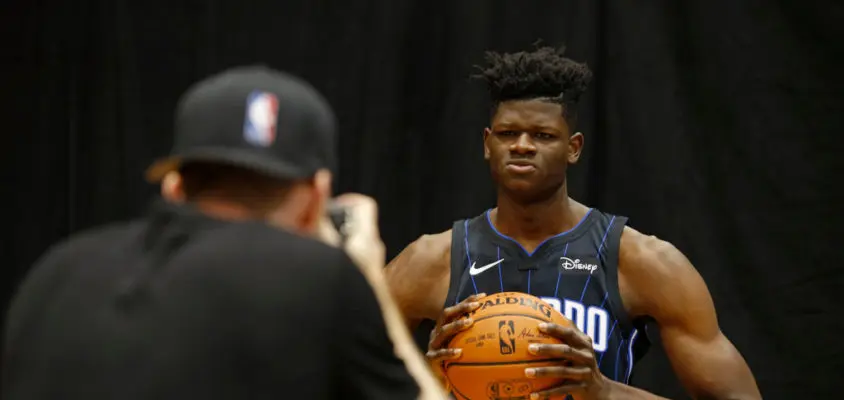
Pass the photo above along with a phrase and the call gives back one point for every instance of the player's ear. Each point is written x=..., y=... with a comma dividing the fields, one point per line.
x=487, y=132
x=575, y=147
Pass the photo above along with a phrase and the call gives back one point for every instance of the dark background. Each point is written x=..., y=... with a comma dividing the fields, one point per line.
x=713, y=124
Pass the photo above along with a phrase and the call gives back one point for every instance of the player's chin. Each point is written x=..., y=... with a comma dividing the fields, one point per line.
x=521, y=187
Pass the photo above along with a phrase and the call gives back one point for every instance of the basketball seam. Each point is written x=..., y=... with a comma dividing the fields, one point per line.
x=510, y=315
x=454, y=364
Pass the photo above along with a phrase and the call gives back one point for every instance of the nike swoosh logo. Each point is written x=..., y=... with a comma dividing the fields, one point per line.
x=474, y=271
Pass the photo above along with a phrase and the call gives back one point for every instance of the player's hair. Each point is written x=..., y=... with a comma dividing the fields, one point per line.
x=542, y=74
x=253, y=190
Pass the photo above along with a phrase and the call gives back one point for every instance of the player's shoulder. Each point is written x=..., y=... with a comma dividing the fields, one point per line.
x=418, y=276
x=646, y=262
x=648, y=254
x=427, y=251
x=433, y=243
x=426, y=257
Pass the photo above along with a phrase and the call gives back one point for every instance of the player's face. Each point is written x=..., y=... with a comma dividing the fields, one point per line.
x=529, y=146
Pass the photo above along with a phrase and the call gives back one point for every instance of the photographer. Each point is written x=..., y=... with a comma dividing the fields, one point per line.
x=233, y=285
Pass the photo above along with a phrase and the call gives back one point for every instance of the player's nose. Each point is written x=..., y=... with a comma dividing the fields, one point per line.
x=523, y=145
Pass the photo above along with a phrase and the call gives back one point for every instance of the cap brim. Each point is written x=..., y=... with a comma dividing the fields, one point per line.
x=264, y=165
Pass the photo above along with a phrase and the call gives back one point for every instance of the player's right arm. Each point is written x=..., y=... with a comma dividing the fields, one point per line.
x=419, y=277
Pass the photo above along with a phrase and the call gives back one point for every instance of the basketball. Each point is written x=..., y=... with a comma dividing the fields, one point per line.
x=495, y=349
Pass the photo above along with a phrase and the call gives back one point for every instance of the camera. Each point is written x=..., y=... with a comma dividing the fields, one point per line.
x=339, y=216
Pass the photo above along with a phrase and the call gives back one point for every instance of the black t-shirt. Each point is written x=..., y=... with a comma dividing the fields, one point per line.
x=181, y=306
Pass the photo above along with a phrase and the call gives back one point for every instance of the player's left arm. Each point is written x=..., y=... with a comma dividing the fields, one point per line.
x=657, y=280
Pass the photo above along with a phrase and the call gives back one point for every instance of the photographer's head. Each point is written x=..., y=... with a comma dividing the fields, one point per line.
x=235, y=193
x=252, y=143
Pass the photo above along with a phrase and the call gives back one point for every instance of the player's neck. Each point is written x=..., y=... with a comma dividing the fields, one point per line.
x=535, y=220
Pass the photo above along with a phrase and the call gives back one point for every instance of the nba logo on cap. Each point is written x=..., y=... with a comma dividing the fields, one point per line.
x=261, y=115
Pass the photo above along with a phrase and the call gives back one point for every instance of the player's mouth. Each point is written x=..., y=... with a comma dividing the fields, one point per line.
x=520, y=166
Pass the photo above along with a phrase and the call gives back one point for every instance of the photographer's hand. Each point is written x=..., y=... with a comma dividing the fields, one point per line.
x=362, y=236
x=364, y=246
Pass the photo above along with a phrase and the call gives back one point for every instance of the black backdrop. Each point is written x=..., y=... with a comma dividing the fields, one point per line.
x=713, y=124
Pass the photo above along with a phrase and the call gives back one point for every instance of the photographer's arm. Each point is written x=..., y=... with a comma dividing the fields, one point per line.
x=364, y=246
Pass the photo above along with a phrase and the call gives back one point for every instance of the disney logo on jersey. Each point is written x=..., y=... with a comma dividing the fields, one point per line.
x=577, y=266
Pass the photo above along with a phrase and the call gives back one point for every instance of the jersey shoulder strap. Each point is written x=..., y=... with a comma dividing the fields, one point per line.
x=459, y=259
x=634, y=331
x=609, y=250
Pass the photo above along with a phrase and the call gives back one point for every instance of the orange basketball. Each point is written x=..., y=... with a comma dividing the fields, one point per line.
x=495, y=349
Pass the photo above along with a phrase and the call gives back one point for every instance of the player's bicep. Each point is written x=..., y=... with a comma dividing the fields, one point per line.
x=398, y=273
x=370, y=368
x=416, y=275
x=704, y=359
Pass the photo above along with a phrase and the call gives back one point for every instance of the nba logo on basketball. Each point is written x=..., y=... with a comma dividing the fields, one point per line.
x=506, y=337
x=261, y=114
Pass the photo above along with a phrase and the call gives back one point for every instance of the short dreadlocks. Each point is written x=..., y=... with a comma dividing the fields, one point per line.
x=542, y=74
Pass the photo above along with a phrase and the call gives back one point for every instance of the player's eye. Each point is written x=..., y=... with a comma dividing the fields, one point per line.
x=543, y=135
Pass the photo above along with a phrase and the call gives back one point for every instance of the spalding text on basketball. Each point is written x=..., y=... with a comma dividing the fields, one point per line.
x=522, y=301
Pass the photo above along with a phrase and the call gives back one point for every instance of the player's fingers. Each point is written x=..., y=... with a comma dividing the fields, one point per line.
x=576, y=356
x=559, y=391
x=464, y=307
x=577, y=374
x=452, y=313
x=569, y=335
x=447, y=331
x=443, y=354
x=453, y=327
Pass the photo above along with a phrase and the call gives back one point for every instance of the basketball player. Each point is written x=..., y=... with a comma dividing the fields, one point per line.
x=606, y=277
x=222, y=291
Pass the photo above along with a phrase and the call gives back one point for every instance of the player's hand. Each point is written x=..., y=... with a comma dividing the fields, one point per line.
x=580, y=370
x=452, y=321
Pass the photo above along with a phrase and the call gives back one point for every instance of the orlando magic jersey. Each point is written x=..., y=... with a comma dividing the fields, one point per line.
x=576, y=272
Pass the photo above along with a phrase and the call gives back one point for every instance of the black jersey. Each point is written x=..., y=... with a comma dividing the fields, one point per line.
x=574, y=271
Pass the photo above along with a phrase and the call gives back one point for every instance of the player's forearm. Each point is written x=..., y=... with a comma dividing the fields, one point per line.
x=620, y=391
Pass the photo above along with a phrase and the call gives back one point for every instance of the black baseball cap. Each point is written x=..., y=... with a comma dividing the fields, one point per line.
x=256, y=118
